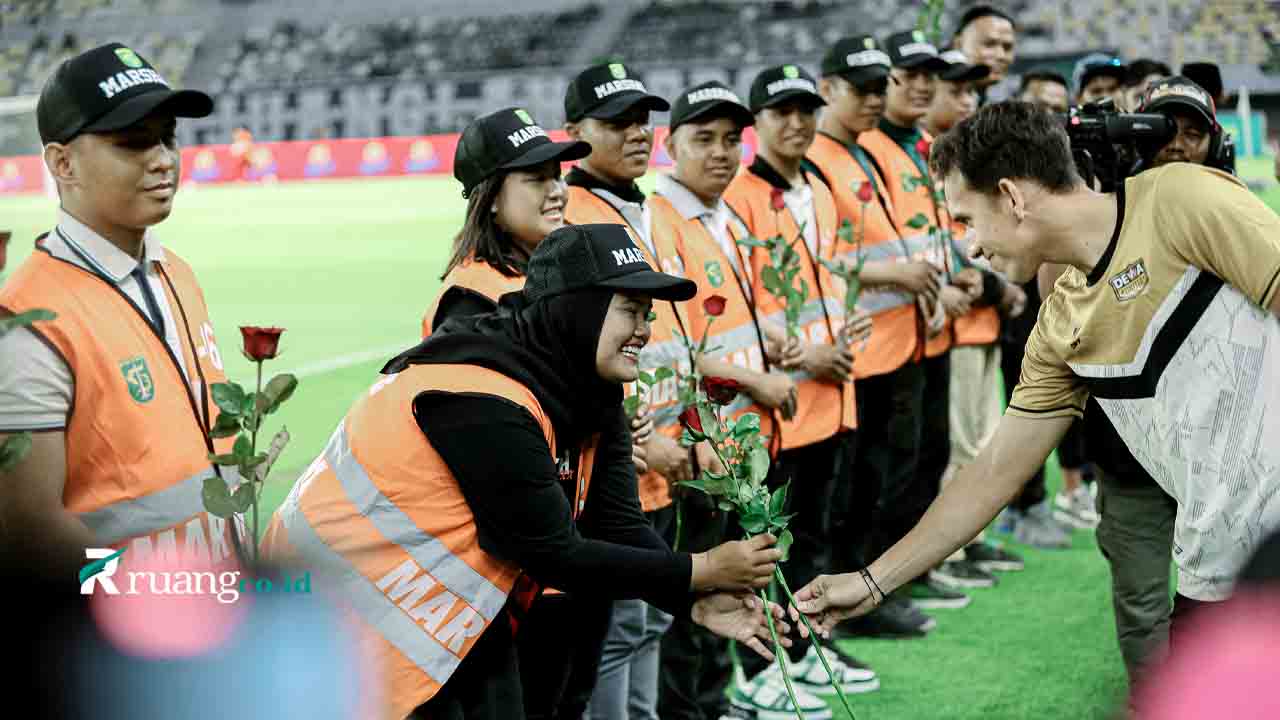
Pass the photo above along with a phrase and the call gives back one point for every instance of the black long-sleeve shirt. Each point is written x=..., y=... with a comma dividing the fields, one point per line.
x=497, y=452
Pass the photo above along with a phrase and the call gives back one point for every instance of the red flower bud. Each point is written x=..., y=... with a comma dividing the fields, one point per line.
x=721, y=391
x=692, y=421
x=865, y=193
x=922, y=147
x=776, y=201
x=714, y=305
x=261, y=343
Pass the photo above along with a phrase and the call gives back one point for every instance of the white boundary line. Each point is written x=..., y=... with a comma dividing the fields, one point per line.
x=342, y=362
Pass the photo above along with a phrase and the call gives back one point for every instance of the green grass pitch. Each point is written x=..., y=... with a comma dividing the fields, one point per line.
x=348, y=268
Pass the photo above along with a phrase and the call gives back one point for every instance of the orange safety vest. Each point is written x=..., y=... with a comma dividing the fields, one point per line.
x=900, y=164
x=735, y=332
x=382, y=523
x=137, y=436
x=664, y=348
x=475, y=275
x=895, y=332
x=823, y=408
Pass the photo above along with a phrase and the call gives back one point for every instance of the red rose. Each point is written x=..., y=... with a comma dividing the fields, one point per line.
x=721, y=391
x=776, y=201
x=864, y=193
x=922, y=147
x=261, y=343
x=692, y=421
x=714, y=305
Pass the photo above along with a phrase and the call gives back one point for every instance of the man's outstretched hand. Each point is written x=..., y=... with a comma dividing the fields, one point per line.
x=832, y=598
x=740, y=616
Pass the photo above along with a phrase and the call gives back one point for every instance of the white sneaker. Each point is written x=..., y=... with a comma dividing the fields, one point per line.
x=1076, y=509
x=809, y=674
x=766, y=696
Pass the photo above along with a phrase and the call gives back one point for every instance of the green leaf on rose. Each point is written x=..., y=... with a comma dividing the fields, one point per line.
x=688, y=439
x=645, y=378
x=242, y=499
x=217, y=498
x=277, y=391
x=224, y=459
x=746, y=425
x=710, y=421
x=918, y=221
x=752, y=242
x=243, y=449
x=225, y=426
x=631, y=405
x=23, y=319
x=778, y=502
x=229, y=397
x=784, y=544
x=759, y=464
x=663, y=373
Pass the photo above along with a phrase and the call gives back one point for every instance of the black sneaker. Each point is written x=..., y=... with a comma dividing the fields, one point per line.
x=895, y=618
x=993, y=558
x=930, y=595
x=962, y=574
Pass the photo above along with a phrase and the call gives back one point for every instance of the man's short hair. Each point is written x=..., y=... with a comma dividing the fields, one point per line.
x=1009, y=139
x=1140, y=70
x=977, y=12
x=1042, y=75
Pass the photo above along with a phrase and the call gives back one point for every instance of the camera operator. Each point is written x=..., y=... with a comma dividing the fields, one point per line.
x=1199, y=140
x=1098, y=76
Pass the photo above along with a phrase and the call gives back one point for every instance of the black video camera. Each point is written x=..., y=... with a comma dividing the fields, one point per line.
x=1104, y=141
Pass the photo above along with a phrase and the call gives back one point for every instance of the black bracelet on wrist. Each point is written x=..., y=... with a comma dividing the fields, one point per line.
x=872, y=586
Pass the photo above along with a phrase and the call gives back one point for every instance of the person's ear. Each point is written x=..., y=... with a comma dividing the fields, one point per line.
x=1012, y=194
x=827, y=89
x=58, y=159
x=669, y=142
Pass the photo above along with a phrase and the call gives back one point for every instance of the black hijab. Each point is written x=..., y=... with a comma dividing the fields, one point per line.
x=549, y=346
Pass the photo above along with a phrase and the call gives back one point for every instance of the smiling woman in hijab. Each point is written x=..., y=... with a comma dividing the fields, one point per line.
x=474, y=472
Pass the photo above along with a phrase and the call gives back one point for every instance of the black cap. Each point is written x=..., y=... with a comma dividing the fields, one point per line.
x=911, y=50
x=576, y=257
x=857, y=59
x=977, y=12
x=508, y=139
x=607, y=91
x=1178, y=91
x=784, y=83
x=713, y=99
x=1206, y=75
x=1096, y=65
x=959, y=69
x=106, y=89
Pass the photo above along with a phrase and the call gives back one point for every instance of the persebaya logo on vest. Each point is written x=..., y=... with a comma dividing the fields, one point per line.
x=141, y=387
x=129, y=57
x=714, y=274
x=617, y=71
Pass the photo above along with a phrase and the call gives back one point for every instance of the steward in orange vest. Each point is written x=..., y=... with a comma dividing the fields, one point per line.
x=776, y=197
x=468, y=476
x=510, y=175
x=606, y=106
x=116, y=388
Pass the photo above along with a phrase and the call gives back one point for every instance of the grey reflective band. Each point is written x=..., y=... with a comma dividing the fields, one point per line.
x=150, y=513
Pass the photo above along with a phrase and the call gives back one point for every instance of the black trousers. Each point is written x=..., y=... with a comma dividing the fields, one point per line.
x=486, y=685
x=890, y=408
x=815, y=473
x=935, y=432
x=558, y=668
x=696, y=668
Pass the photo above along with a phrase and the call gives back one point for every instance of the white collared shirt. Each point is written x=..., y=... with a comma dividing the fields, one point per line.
x=716, y=219
x=36, y=387
x=636, y=214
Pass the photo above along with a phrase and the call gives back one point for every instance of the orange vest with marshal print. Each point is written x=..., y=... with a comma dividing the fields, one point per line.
x=735, y=332
x=137, y=437
x=895, y=331
x=382, y=523
x=664, y=348
x=823, y=408
x=912, y=199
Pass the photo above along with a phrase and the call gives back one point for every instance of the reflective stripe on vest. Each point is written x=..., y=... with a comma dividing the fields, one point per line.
x=142, y=484
x=895, y=332
x=383, y=523
x=822, y=408
x=663, y=349
x=476, y=275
